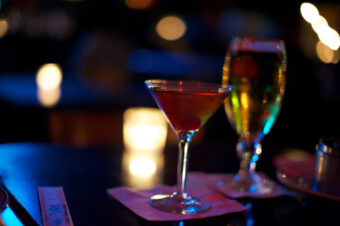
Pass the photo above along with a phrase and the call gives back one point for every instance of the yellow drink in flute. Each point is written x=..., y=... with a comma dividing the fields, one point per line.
x=256, y=69
x=258, y=80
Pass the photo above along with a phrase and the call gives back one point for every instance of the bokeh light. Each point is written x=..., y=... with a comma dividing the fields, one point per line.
x=49, y=98
x=326, y=54
x=3, y=27
x=321, y=21
x=329, y=37
x=309, y=12
x=138, y=4
x=171, y=28
x=336, y=57
x=144, y=129
x=59, y=24
x=49, y=76
x=326, y=34
x=144, y=167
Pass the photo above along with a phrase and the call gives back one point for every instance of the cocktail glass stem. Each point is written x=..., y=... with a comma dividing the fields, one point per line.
x=184, y=139
x=180, y=201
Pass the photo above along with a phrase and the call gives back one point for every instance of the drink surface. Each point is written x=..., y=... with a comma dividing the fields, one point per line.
x=258, y=80
x=187, y=110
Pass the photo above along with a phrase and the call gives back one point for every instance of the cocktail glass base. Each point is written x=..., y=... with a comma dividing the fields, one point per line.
x=175, y=203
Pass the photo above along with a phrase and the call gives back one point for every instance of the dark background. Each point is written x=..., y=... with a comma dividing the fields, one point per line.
x=94, y=41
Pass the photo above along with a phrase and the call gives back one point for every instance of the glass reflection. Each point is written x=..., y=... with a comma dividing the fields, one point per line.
x=142, y=170
x=144, y=135
x=49, y=98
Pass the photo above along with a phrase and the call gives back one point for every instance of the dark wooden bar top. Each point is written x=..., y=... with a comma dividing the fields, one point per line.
x=85, y=173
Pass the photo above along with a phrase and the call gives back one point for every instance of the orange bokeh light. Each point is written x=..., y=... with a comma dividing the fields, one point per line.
x=171, y=28
x=3, y=27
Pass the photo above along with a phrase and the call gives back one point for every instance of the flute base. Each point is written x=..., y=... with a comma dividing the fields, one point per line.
x=175, y=203
x=248, y=183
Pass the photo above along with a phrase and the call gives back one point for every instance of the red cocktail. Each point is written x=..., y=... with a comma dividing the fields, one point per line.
x=187, y=105
x=185, y=110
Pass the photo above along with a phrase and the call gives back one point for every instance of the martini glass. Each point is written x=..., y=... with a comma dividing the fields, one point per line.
x=256, y=69
x=187, y=105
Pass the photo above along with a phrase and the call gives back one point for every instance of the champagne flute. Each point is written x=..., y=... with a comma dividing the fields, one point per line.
x=256, y=68
x=187, y=105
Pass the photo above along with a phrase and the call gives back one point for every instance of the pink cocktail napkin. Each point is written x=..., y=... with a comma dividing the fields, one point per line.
x=217, y=180
x=137, y=202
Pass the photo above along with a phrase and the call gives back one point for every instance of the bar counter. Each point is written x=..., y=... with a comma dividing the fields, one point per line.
x=85, y=173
